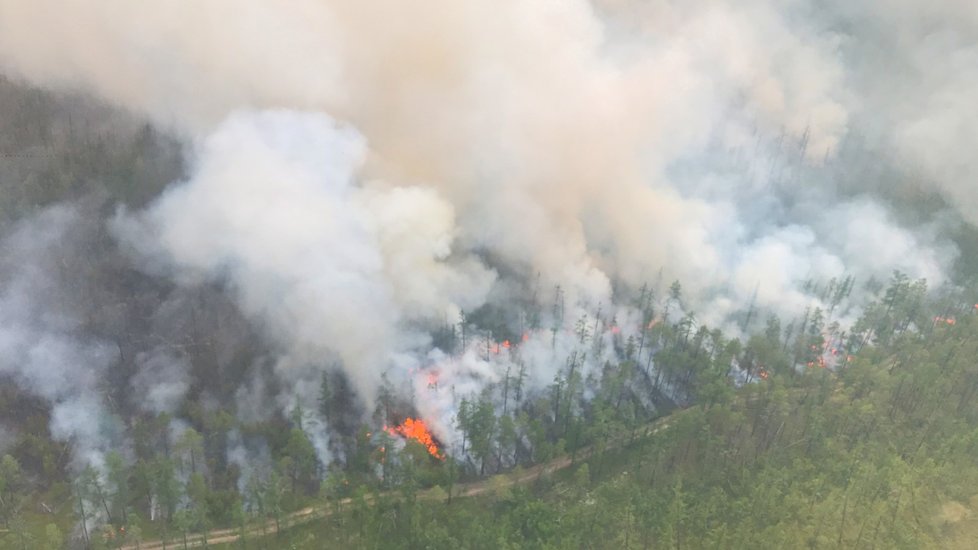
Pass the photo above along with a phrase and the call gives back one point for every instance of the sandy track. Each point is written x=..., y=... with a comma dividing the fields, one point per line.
x=305, y=515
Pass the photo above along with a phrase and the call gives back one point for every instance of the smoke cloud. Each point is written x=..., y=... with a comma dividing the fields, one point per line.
x=327, y=266
x=363, y=171
x=43, y=344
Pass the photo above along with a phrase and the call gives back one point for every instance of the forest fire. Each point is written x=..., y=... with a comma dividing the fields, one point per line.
x=416, y=429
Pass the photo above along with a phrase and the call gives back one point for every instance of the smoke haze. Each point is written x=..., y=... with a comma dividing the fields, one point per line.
x=361, y=172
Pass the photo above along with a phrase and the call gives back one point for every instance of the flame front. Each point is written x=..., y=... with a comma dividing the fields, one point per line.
x=415, y=428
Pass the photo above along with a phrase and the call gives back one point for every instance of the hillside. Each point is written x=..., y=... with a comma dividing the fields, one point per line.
x=488, y=274
x=820, y=460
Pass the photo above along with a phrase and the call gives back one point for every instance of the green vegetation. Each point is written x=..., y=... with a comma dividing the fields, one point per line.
x=879, y=455
x=850, y=426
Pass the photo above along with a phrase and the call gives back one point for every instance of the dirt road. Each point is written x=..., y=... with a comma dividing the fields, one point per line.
x=305, y=515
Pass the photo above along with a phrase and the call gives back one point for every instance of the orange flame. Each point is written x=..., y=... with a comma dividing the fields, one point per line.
x=506, y=344
x=415, y=428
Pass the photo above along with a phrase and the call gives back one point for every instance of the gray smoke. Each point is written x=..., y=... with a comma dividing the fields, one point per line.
x=161, y=381
x=43, y=345
x=362, y=171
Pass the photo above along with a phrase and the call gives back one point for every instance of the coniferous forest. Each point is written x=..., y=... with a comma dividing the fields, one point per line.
x=591, y=274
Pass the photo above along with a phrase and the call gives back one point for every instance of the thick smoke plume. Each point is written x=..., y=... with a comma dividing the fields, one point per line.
x=363, y=171
x=327, y=265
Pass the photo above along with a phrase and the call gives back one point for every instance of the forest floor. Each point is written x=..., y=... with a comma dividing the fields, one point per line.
x=461, y=490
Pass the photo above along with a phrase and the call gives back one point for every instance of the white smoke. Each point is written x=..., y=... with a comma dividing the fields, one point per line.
x=555, y=115
x=41, y=343
x=329, y=266
x=589, y=144
x=161, y=381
